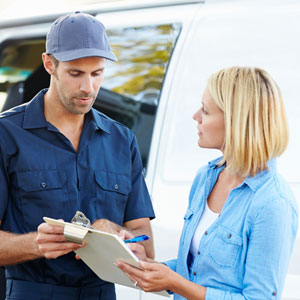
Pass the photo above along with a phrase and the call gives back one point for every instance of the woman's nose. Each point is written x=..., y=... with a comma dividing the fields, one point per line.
x=198, y=115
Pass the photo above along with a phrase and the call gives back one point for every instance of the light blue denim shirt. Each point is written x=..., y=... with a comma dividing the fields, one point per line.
x=245, y=253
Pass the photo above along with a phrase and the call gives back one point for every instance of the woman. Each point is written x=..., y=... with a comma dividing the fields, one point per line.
x=242, y=217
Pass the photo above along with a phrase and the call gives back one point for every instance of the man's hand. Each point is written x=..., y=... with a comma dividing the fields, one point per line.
x=133, y=228
x=52, y=243
x=106, y=226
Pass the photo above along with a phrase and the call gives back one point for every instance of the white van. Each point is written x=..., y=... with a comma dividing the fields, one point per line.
x=166, y=51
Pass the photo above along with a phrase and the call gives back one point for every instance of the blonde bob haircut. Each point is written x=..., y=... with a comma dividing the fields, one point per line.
x=256, y=127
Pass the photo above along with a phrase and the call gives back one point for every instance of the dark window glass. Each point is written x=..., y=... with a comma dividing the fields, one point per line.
x=132, y=86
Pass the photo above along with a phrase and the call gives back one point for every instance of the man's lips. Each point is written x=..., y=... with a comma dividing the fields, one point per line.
x=84, y=100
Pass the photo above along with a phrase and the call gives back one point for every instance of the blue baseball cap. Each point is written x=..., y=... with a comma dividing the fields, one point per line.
x=78, y=35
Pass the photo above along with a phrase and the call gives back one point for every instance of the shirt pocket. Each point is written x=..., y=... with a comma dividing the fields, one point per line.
x=112, y=194
x=225, y=247
x=42, y=193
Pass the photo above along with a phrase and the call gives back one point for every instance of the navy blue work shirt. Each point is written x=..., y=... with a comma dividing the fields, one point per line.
x=42, y=175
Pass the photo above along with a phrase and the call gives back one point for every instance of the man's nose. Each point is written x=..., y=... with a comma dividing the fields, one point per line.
x=87, y=85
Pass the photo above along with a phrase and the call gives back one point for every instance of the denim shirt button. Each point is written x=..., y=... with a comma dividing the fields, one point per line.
x=194, y=273
x=229, y=236
x=198, y=252
x=116, y=187
x=43, y=184
x=206, y=232
x=274, y=293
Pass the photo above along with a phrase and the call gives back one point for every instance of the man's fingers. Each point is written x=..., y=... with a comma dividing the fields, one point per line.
x=50, y=229
x=125, y=235
x=64, y=246
x=52, y=243
x=46, y=238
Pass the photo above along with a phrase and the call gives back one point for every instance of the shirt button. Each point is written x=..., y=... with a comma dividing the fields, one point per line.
x=43, y=184
x=206, y=232
x=274, y=294
x=198, y=252
x=116, y=187
x=229, y=236
x=194, y=273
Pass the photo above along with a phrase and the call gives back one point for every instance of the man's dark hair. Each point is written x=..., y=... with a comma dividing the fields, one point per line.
x=54, y=60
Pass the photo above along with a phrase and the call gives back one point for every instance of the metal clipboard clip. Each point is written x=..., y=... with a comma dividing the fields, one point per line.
x=78, y=228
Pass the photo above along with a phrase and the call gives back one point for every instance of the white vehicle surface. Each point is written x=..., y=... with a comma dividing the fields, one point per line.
x=166, y=51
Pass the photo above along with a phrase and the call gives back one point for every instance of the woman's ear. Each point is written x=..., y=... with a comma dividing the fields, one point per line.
x=48, y=64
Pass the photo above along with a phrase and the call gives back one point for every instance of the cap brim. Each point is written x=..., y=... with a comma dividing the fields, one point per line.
x=82, y=53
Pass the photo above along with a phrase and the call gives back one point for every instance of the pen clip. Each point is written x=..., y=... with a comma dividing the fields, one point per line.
x=81, y=220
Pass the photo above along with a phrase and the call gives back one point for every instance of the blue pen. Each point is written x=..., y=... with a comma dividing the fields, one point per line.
x=136, y=239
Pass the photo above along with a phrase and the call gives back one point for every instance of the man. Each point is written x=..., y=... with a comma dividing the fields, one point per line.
x=59, y=155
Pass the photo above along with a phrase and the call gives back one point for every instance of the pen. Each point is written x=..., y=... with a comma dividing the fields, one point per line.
x=136, y=239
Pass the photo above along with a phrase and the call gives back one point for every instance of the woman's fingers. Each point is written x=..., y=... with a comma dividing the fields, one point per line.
x=138, y=250
x=150, y=277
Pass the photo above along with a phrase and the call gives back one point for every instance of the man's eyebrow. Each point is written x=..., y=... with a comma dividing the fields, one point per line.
x=81, y=71
x=100, y=69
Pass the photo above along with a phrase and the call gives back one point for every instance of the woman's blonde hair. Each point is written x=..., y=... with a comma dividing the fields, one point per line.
x=256, y=127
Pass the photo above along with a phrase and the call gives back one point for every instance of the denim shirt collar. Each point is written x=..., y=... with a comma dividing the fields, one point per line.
x=34, y=114
x=254, y=182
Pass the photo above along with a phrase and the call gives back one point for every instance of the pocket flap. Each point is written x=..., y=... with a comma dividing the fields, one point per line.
x=113, y=182
x=188, y=214
x=230, y=237
x=30, y=181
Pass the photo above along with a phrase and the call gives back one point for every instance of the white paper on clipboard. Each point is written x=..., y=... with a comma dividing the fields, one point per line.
x=101, y=251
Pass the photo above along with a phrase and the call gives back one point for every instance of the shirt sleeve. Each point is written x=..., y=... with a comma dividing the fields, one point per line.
x=269, y=248
x=171, y=264
x=139, y=204
x=3, y=185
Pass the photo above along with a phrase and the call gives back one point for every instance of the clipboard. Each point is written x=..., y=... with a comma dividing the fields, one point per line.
x=101, y=251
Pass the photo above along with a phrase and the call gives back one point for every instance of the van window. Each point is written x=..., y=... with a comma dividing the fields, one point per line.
x=132, y=86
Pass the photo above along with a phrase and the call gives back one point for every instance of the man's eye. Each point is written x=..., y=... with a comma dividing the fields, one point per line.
x=74, y=74
x=97, y=73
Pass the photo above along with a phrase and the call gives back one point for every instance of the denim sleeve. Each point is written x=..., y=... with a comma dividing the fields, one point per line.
x=270, y=245
x=171, y=264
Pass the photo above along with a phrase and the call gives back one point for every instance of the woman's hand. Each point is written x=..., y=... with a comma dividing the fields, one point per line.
x=152, y=277
x=136, y=248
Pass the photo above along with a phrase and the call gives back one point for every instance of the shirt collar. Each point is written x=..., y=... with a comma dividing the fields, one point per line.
x=100, y=120
x=214, y=163
x=34, y=114
x=254, y=182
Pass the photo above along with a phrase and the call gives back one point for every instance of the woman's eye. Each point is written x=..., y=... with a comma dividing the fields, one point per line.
x=203, y=111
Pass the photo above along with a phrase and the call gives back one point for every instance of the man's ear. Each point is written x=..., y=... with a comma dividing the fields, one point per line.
x=48, y=64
